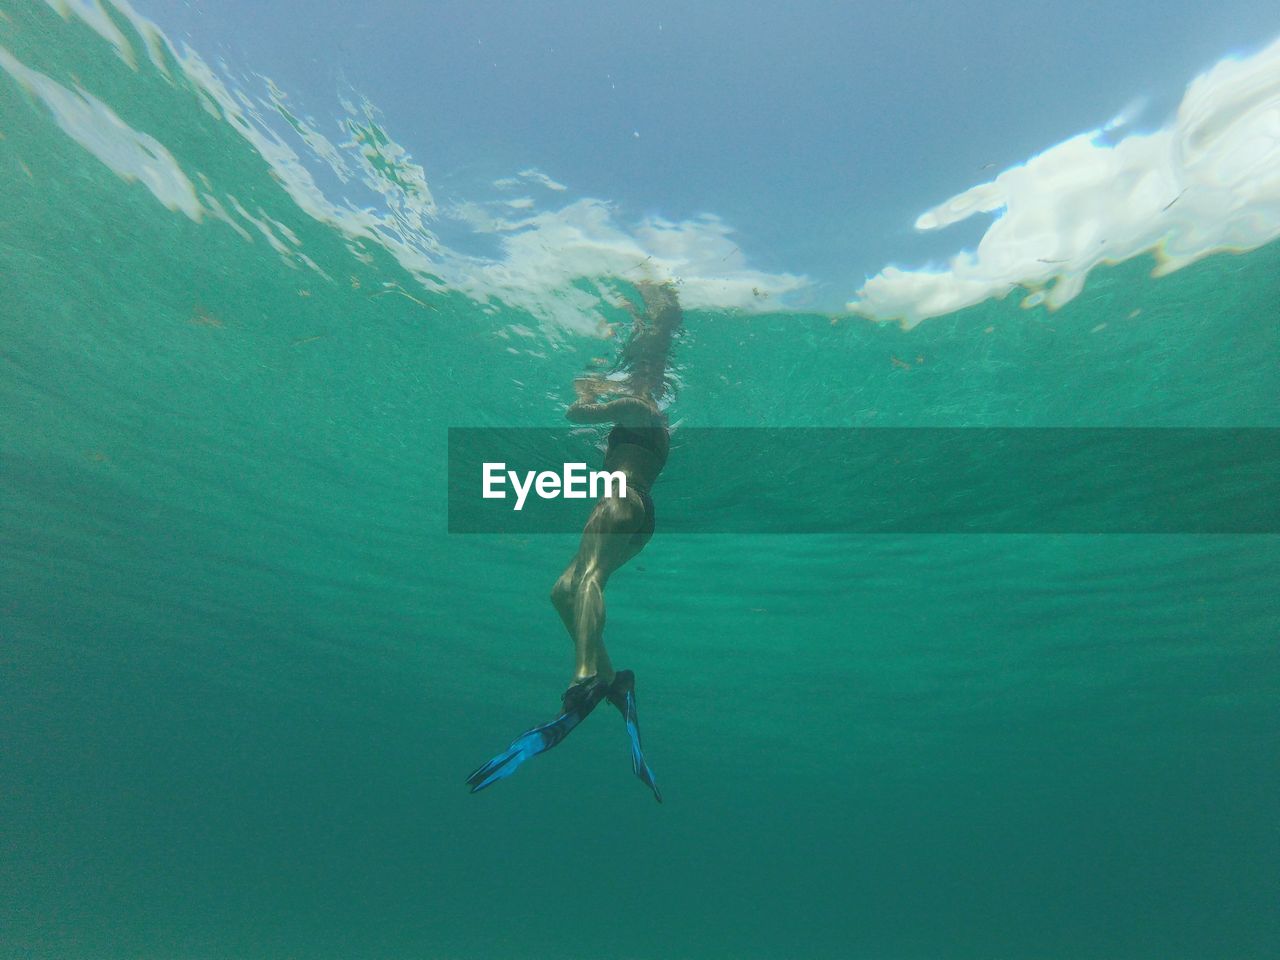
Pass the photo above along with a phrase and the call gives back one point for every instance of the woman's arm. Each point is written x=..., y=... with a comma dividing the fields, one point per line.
x=627, y=411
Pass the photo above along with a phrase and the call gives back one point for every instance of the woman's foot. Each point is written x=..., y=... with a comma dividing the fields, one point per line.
x=584, y=692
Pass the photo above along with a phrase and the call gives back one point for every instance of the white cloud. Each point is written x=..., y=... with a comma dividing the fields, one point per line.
x=132, y=155
x=1208, y=182
x=537, y=176
x=545, y=253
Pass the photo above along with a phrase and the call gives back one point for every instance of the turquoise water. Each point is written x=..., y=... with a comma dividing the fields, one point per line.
x=245, y=668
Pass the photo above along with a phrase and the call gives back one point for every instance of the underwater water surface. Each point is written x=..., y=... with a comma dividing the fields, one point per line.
x=244, y=666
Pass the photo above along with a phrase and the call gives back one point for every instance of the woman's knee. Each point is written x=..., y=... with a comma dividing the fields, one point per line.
x=562, y=589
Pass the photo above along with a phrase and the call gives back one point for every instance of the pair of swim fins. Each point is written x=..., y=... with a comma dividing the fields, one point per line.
x=579, y=700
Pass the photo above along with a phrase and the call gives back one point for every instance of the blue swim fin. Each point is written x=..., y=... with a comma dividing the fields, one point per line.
x=622, y=694
x=579, y=700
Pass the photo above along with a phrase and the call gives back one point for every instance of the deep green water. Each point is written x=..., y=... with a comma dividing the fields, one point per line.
x=244, y=669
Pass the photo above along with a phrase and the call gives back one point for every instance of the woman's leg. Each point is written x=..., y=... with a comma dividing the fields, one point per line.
x=608, y=541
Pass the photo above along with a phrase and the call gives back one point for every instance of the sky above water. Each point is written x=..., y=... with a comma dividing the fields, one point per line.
x=818, y=131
